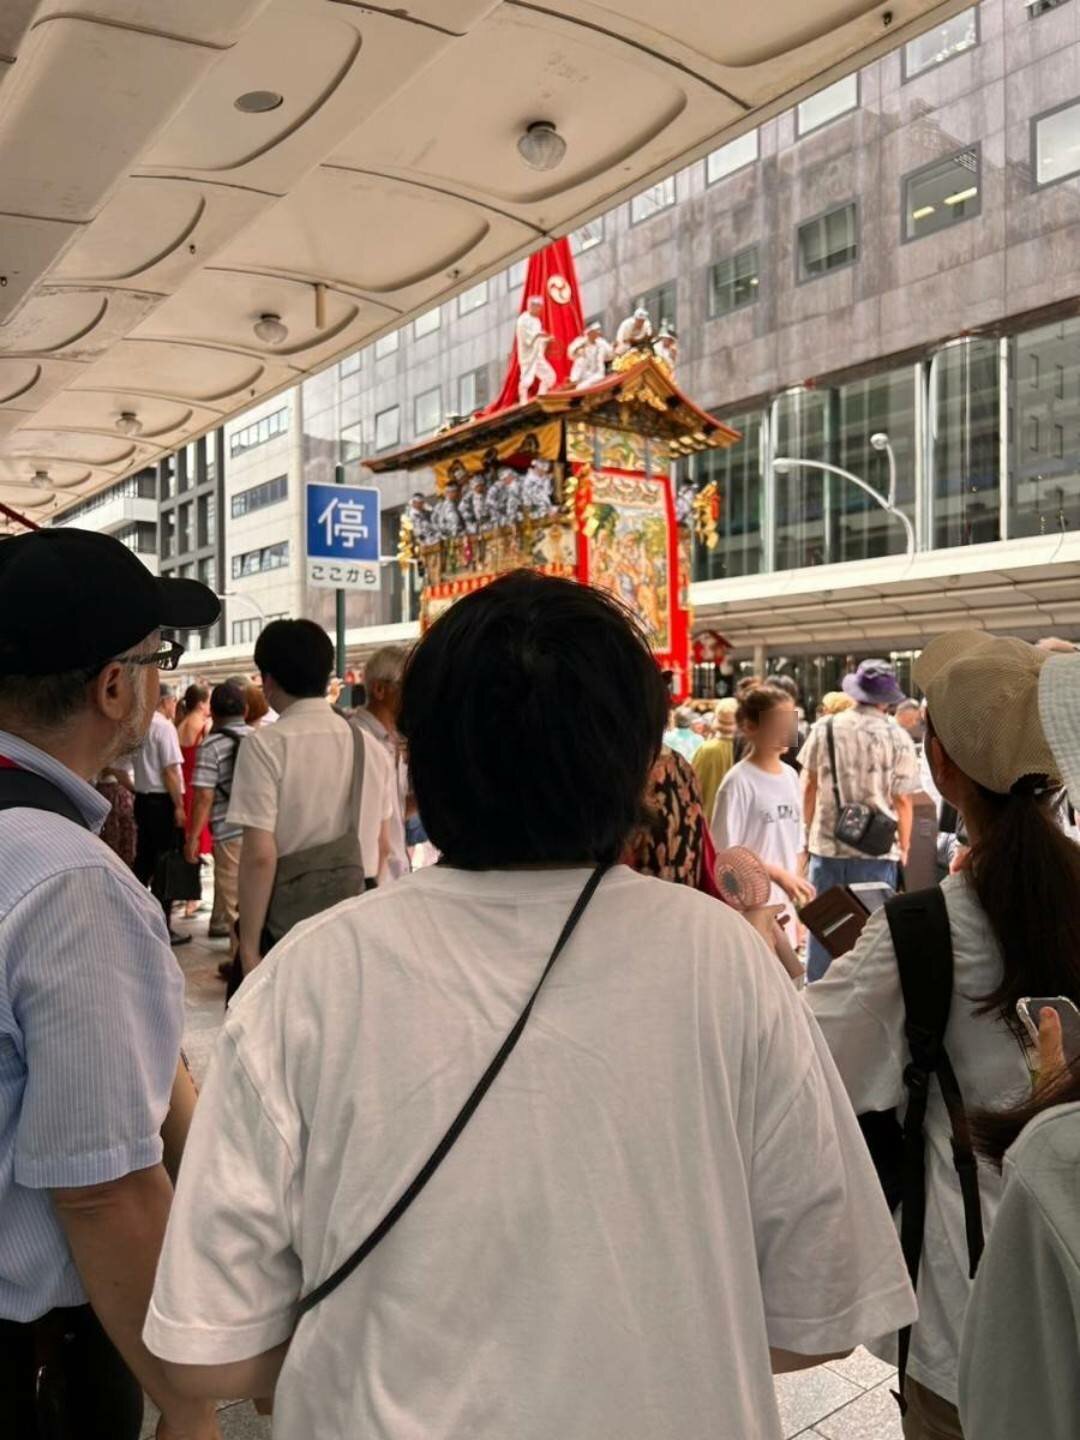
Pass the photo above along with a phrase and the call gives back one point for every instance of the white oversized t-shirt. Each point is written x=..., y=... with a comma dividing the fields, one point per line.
x=664, y=1179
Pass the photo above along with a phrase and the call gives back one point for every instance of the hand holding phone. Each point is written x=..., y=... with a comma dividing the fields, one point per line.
x=1030, y=1009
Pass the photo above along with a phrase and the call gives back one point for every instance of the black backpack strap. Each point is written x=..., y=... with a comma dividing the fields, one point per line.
x=234, y=740
x=834, y=772
x=919, y=925
x=438, y=1155
x=23, y=790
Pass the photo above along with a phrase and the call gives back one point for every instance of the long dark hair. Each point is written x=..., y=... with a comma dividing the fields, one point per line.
x=993, y=1131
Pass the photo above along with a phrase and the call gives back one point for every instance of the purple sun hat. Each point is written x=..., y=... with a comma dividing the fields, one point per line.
x=874, y=683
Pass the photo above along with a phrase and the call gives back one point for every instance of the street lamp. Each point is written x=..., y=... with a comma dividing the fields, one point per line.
x=880, y=442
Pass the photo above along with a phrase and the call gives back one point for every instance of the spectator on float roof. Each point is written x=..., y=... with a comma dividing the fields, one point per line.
x=351, y=1054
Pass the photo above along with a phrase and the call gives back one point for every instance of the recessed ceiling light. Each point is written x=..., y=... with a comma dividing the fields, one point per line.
x=128, y=423
x=257, y=102
x=541, y=146
x=270, y=329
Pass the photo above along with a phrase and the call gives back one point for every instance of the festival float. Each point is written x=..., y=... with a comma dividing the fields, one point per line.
x=569, y=470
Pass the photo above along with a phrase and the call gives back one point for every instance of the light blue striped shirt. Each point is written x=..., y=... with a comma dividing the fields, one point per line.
x=91, y=1014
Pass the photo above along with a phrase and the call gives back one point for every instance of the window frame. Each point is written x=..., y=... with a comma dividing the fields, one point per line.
x=1034, y=123
x=732, y=259
x=390, y=410
x=484, y=285
x=906, y=75
x=905, y=180
x=576, y=248
x=476, y=370
x=711, y=180
x=353, y=361
x=435, y=310
x=383, y=348
x=801, y=132
x=661, y=209
x=425, y=395
x=852, y=204
x=264, y=486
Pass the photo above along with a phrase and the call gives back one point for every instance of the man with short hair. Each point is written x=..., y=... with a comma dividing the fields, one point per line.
x=876, y=765
x=211, y=783
x=681, y=736
x=532, y=343
x=909, y=716
x=91, y=999
x=292, y=783
x=383, y=676
x=159, y=800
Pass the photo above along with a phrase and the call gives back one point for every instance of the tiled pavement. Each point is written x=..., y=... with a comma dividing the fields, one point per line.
x=846, y=1400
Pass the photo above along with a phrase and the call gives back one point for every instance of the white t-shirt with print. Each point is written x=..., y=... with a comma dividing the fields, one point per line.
x=860, y=1008
x=664, y=1180
x=763, y=812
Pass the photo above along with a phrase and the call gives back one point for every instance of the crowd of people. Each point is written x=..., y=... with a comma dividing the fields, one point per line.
x=551, y=1137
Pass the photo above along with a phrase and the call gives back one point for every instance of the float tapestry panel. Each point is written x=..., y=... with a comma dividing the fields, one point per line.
x=629, y=549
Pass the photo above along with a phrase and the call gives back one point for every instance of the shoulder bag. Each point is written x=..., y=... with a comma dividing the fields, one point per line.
x=862, y=827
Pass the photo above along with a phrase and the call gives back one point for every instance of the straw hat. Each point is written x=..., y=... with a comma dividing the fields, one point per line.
x=982, y=692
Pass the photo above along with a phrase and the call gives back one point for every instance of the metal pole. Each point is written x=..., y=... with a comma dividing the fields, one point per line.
x=339, y=597
x=786, y=462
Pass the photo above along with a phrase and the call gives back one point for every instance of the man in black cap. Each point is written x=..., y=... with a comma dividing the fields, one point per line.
x=91, y=998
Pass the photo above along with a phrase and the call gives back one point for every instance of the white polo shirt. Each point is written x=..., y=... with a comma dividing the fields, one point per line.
x=664, y=1180
x=158, y=751
x=293, y=780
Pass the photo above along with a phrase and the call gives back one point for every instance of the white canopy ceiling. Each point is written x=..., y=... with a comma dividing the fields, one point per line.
x=146, y=222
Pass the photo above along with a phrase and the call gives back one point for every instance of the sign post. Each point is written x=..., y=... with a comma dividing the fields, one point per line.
x=343, y=533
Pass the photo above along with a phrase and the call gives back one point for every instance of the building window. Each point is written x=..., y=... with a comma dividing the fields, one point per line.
x=255, y=562
x=349, y=366
x=515, y=276
x=650, y=202
x=661, y=305
x=1035, y=8
x=207, y=519
x=247, y=630
x=1055, y=144
x=828, y=104
x=258, y=497
x=140, y=537
x=828, y=242
x=259, y=432
x=965, y=401
x=168, y=533
x=351, y=442
x=168, y=478
x=734, y=282
x=208, y=572
x=942, y=194
x=387, y=344
x=183, y=529
x=473, y=392
x=474, y=299
x=588, y=235
x=427, y=412
x=941, y=43
x=1044, y=476
x=427, y=323
x=735, y=155
x=388, y=428
x=736, y=471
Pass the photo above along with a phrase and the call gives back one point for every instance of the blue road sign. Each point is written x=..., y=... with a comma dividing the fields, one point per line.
x=342, y=523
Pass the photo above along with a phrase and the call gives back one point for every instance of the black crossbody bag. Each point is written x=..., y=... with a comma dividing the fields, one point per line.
x=439, y=1154
x=862, y=827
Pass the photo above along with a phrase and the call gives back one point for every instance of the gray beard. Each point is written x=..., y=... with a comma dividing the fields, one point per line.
x=133, y=729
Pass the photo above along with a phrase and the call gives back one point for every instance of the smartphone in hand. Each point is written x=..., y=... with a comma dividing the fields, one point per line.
x=1031, y=1007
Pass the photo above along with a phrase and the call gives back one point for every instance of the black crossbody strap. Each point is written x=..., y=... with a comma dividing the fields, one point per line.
x=438, y=1155
x=919, y=925
x=23, y=790
x=834, y=772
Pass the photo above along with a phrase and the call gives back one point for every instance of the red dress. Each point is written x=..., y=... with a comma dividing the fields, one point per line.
x=189, y=752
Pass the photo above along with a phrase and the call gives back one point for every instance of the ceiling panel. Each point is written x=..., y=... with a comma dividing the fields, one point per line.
x=146, y=221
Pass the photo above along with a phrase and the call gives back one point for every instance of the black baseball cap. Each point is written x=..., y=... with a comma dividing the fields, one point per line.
x=72, y=599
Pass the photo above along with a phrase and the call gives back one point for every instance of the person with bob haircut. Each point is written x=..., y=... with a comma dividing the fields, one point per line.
x=662, y=1198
